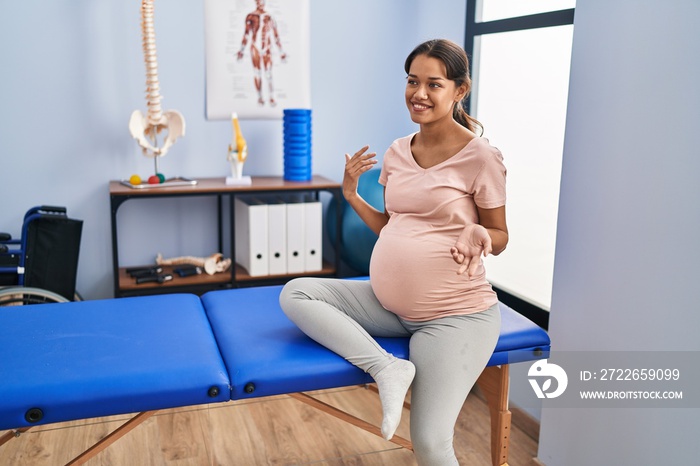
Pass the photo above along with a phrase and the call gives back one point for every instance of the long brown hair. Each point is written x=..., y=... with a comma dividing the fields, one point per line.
x=457, y=68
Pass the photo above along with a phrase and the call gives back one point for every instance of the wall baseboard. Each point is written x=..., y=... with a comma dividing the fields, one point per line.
x=525, y=422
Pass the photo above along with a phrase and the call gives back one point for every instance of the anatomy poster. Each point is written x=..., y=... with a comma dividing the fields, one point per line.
x=257, y=57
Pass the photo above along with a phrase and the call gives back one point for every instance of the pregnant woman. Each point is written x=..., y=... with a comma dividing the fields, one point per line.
x=444, y=191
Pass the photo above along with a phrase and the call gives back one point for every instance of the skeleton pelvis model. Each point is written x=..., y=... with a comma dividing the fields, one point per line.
x=211, y=265
x=146, y=128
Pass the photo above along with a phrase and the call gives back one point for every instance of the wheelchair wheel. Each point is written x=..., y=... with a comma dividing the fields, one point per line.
x=23, y=296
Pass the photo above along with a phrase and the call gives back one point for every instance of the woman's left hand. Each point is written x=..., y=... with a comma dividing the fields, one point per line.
x=471, y=244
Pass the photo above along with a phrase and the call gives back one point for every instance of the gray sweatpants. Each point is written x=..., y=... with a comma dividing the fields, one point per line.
x=449, y=353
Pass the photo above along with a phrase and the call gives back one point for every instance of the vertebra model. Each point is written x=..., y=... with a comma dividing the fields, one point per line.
x=146, y=128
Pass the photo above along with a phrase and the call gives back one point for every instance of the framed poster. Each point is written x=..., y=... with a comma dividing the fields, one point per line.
x=257, y=57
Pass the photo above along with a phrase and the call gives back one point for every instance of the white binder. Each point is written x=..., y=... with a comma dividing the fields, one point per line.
x=277, y=236
x=251, y=235
x=295, y=236
x=313, y=235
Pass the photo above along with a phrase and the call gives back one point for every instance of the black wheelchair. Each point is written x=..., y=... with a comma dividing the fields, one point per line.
x=42, y=265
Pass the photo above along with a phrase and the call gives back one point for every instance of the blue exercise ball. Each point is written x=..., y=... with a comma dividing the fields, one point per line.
x=357, y=240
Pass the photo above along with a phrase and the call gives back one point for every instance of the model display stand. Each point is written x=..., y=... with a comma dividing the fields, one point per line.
x=242, y=181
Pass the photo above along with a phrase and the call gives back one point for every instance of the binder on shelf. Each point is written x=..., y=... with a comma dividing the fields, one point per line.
x=313, y=235
x=295, y=234
x=277, y=236
x=251, y=227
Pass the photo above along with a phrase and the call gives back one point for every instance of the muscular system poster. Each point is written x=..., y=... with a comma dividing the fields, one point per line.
x=257, y=57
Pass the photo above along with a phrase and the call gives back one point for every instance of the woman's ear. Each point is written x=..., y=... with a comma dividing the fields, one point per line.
x=461, y=92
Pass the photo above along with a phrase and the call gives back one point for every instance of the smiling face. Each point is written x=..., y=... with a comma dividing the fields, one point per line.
x=430, y=96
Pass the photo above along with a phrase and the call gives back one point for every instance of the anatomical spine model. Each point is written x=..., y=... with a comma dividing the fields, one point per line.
x=146, y=128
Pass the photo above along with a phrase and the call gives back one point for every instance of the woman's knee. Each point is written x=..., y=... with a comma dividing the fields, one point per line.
x=293, y=293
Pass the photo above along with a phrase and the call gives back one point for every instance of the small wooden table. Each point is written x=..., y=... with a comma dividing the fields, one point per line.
x=120, y=192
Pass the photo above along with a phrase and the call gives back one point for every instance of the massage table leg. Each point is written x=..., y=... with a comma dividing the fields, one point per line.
x=349, y=418
x=98, y=447
x=493, y=382
x=124, y=429
x=9, y=435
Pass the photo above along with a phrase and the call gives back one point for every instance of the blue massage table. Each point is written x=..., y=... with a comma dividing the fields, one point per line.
x=69, y=361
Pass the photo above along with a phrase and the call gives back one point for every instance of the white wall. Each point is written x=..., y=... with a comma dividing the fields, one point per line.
x=73, y=72
x=626, y=267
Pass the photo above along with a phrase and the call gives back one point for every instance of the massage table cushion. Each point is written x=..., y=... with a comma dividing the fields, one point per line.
x=88, y=359
x=266, y=354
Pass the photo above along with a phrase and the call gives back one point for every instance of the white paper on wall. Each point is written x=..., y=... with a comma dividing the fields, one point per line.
x=257, y=57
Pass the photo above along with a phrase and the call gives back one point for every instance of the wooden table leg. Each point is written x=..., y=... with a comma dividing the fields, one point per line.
x=9, y=435
x=342, y=415
x=111, y=438
x=493, y=382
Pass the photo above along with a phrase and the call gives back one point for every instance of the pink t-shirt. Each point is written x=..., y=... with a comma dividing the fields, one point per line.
x=411, y=270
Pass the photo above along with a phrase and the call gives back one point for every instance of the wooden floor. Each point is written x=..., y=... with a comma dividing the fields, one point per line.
x=269, y=431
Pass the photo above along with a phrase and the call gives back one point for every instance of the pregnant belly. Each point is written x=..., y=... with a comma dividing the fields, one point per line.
x=417, y=278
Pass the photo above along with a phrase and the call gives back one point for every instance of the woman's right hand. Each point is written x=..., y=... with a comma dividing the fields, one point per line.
x=355, y=166
x=471, y=244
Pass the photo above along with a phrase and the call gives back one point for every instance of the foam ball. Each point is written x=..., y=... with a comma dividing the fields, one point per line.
x=161, y=177
x=153, y=179
x=135, y=179
x=357, y=240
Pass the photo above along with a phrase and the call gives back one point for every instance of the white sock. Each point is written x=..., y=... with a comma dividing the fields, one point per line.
x=393, y=382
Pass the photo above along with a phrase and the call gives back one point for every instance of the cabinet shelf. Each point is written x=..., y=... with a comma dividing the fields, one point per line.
x=124, y=285
x=128, y=285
